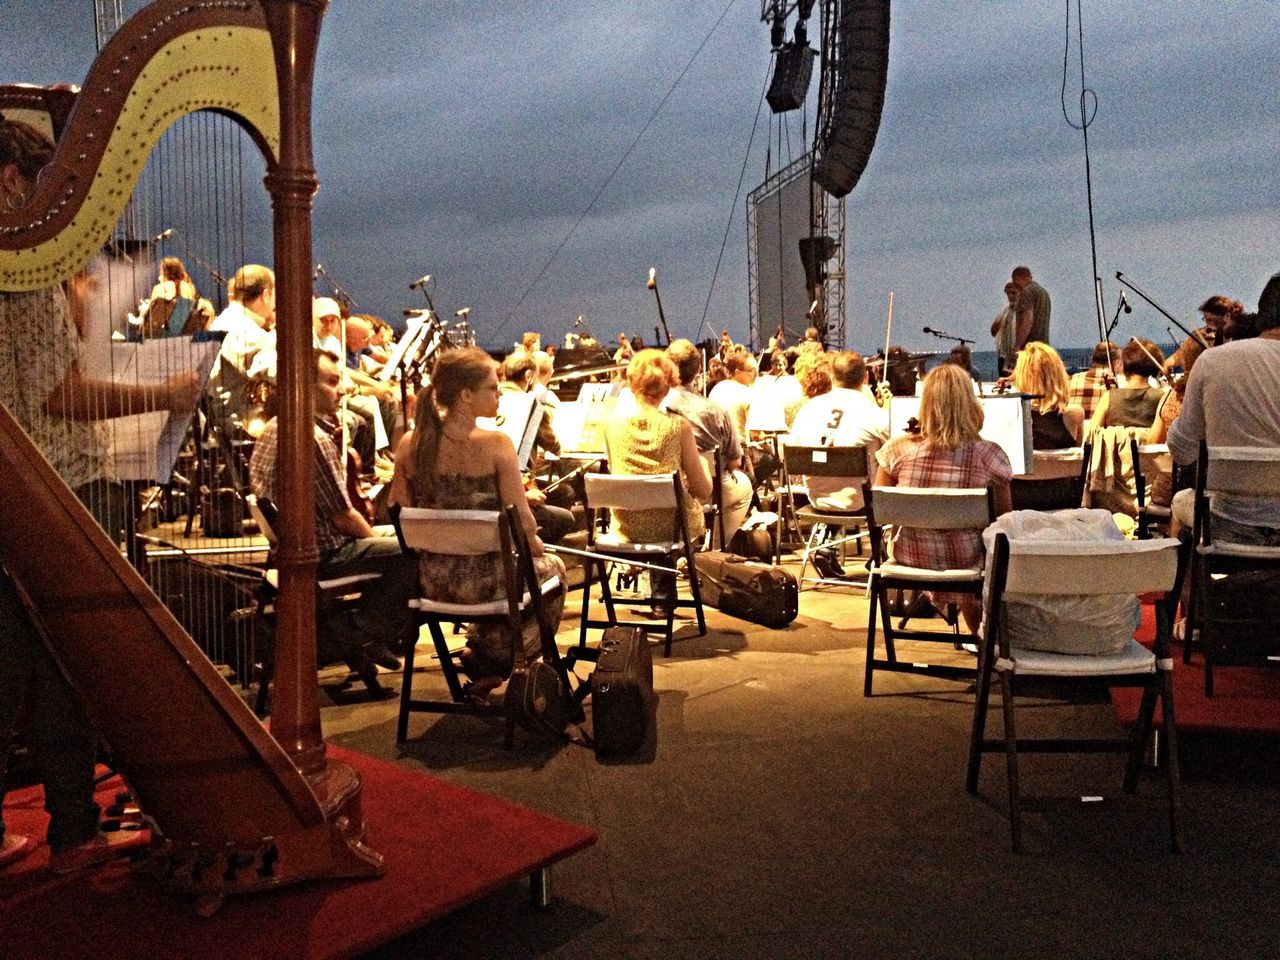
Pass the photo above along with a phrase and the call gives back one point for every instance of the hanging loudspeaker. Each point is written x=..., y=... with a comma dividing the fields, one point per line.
x=863, y=68
x=792, y=69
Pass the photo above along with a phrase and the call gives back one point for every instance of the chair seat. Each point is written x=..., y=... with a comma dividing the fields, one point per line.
x=1247, y=550
x=615, y=544
x=925, y=575
x=490, y=608
x=272, y=577
x=830, y=513
x=1133, y=659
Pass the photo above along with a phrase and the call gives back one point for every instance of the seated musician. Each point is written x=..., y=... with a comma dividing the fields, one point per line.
x=359, y=379
x=946, y=453
x=348, y=545
x=555, y=521
x=713, y=429
x=1133, y=403
x=448, y=462
x=1230, y=401
x=1088, y=387
x=845, y=416
x=172, y=301
x=1055, y=422
x=813, y=373
x=649, y=441
x=57, y=404
x=735, y=393
x=249, y=322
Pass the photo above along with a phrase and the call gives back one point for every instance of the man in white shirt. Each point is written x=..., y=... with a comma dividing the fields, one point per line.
x=735, y=394
x=1233, y=400
x=844, y=417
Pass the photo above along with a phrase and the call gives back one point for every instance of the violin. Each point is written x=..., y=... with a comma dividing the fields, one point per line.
x=353, y=467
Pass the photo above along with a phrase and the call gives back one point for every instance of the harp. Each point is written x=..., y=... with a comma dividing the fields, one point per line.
x=238, y=809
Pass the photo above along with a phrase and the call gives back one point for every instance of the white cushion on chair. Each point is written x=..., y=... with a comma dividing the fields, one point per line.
x=272, y=577
x=1248, y=550
x=1133, y=658
x=925, y=575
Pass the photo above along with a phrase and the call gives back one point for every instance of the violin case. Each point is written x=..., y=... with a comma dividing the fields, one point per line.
x=623, y=704
x=751, y=591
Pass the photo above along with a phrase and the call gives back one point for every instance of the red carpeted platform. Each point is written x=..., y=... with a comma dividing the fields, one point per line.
x=444, y=845
x=1245, y=700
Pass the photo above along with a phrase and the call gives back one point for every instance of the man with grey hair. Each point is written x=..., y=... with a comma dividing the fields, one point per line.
x=713, y=430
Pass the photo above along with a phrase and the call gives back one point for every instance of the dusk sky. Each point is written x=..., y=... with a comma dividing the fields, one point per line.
x=464, y=139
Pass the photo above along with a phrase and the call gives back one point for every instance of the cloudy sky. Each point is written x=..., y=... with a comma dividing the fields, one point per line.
x=465, y=140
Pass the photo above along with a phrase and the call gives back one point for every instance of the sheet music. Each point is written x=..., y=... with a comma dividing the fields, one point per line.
x=519, y=415
x=145, y=446
x=1006, y=423
x=412, y=335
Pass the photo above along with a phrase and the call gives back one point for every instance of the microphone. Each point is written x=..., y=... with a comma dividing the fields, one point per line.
x=930, y=330
x=653, y=278
x=1124, y=303
x=163, y=235
x=420, y=282
x=462, y=313
x=319, y=271
x=578, y=322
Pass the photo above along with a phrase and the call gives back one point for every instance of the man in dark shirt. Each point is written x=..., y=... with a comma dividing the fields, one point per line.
x=1032, y=309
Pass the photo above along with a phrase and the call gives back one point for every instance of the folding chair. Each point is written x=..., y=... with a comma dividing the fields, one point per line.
x=1077, y=569
x=927, y=508
x=1225, y=639
x=657, y=492
x=1055, y=483
x=1148, y=458
x=849, y=463
x=713, y=512
x=332, y=594
x=469, y=533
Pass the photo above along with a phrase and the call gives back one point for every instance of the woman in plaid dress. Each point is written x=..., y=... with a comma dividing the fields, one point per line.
x=947, y=453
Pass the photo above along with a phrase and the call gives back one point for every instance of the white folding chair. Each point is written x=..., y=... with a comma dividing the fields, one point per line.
x=656, y=492
x=1223, y=638
x=922, y=508
x=468, y=533
x=843, y=463
x=1077, y=569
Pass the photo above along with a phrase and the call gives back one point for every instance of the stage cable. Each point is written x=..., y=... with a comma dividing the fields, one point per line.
x=1088, y=110
x=614, y=172
x=742, y=175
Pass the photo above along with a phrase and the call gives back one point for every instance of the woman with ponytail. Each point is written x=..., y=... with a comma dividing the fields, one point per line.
x=447, y=462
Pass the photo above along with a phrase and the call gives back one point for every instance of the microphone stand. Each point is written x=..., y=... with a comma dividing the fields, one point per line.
x=348, y=301
x=941, y=335
x=662, y=317
x=1193, y=334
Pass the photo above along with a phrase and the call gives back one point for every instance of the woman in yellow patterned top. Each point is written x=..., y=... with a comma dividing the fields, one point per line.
x=651, y=441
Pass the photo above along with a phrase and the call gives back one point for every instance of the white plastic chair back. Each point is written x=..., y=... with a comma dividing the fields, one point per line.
x=260, y=518
x=454, y=532
x=1091, y=568
x=932, y=508
x=1244, y=470
x=656, y=492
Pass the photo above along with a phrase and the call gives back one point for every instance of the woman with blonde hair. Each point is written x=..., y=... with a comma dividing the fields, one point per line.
x=651, y=441
x=1055, y=422
x=946, y=453
x=448, y=462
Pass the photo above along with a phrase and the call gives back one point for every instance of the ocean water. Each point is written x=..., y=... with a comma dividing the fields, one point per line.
x=1075, y=358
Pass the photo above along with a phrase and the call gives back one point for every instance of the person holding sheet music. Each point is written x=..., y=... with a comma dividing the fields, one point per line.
x=448, y=462
x=44, y=387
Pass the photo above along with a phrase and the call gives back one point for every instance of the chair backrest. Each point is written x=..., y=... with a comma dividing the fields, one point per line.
x=933, y=508
x=456, y=532
x=1090, y=568
x=654, y=492
x=1243, y=470
x=264, y=515
x=826, y=461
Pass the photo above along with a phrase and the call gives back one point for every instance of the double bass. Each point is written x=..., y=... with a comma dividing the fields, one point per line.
x=237, y=809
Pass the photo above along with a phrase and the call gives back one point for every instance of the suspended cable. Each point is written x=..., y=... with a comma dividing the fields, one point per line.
x=612, y=173
x=742, y=175
x=1088, y=110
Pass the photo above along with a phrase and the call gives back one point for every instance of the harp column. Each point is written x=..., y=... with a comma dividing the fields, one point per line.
x=291, y=181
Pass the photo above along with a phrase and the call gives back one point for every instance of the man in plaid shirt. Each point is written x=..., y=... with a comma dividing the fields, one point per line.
x=1088, y=386
x=348, y=545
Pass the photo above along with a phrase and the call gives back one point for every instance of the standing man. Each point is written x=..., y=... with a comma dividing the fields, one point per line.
x=1032, y=308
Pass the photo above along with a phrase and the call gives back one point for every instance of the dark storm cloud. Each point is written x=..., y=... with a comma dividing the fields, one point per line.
x=466, y=139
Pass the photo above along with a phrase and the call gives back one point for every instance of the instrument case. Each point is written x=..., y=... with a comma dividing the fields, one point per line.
x=623, y=704
x=756, y=592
